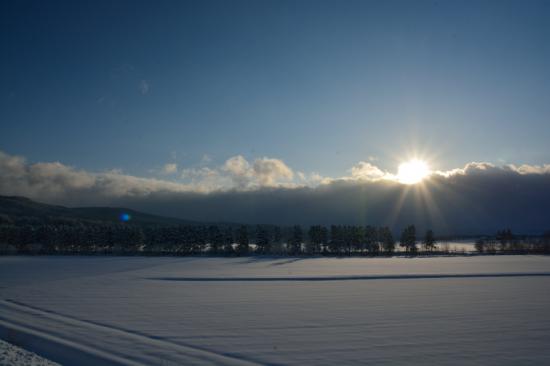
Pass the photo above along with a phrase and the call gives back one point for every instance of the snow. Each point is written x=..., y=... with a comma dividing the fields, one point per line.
x=490, y=310
x=11, y=355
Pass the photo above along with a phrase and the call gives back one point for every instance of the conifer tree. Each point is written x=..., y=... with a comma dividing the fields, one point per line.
x=242, y=240
x=429, y=241
x=408, y=239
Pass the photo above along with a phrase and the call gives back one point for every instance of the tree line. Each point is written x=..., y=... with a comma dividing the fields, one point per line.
x=81, y=237
x=506, y=242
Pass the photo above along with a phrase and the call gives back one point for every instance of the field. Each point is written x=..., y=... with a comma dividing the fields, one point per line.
x=486, y=310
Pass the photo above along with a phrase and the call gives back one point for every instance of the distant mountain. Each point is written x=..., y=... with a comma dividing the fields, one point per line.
x=14, y=208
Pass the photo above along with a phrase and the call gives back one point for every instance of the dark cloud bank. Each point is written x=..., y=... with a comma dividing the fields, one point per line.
x=469, y=204
x=480, y=198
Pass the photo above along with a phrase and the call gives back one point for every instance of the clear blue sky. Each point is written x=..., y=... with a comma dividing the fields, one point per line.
x=319, y=84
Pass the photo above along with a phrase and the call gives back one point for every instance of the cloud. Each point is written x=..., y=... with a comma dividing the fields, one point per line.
x=205, y=179
x=312, y=179
x=477, y=198
x=271, y=171
x=239, y=170
x=367, y=171
x=143, y=87
x=263, y=172
x=484, y=167
x=531, y=169
x=170, y=168
x=480, y=201
x=55, y=182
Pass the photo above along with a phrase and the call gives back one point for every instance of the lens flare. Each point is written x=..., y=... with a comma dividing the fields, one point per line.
x=124, y=217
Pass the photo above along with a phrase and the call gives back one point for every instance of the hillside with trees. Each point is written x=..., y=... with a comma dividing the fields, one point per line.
x=28, y=227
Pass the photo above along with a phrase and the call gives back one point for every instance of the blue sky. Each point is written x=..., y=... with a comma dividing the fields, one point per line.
x=320, y=85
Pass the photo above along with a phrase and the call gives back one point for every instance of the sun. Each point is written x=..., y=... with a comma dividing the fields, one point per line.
x=412, y=171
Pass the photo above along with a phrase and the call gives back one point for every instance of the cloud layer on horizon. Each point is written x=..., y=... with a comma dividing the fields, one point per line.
x=476, y=198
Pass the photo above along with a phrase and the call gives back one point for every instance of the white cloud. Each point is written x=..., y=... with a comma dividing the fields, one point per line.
x=271, y=171
x=205, y=179
x=263, y=172
x=170, y=168
x=51, y=181
x=239, y=170
x=485, y=167
x=532, y=169
x=367, y=171
x=312, y=179
x=237, y=165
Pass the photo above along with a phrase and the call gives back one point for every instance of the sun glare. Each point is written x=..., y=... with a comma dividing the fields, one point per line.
x=412, y=171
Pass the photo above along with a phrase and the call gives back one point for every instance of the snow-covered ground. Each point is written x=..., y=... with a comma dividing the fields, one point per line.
x=456, y=246
x=11, y=355
x=248, y=311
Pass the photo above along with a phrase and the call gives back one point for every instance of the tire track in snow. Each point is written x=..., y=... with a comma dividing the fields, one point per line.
x=58, y=349
x=25, y=321
x=352, y=277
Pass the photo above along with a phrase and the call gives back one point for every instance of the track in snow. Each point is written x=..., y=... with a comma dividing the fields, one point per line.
x=45, y=332
x=351, y=278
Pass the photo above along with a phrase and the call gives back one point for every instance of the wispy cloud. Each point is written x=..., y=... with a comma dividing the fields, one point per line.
x=170, y=168
x=206, y=159
x=143, y=87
